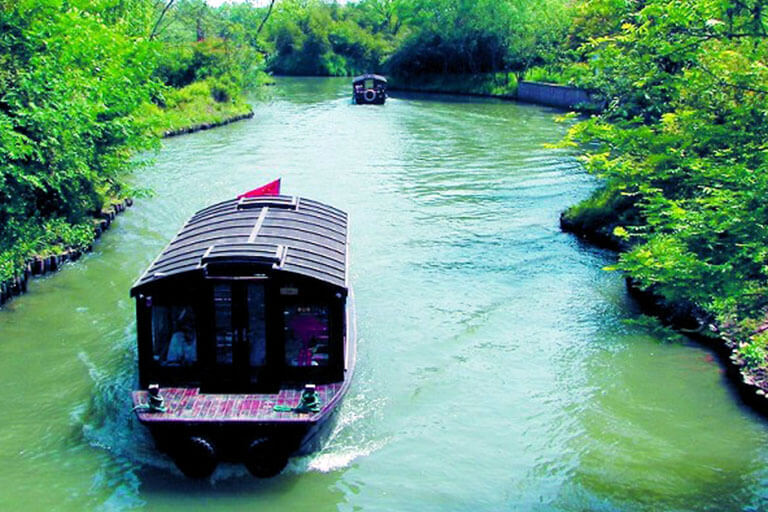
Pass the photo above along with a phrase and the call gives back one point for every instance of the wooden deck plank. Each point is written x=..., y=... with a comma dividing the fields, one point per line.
x=188, y=404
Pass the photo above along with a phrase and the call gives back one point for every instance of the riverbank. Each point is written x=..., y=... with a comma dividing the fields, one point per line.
x=593, y=221
x=200, y=106
x=504, y=86
x=47, y=254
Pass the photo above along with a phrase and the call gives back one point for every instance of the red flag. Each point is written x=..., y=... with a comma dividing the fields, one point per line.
x=270, y=189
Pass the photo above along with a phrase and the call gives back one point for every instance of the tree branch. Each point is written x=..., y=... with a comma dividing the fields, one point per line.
x=266, y=17
x=726, y=83
x=160, y=19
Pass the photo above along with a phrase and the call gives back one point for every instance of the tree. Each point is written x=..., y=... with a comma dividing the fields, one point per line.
x=683, y=138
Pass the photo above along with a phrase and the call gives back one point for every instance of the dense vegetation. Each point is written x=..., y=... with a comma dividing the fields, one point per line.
x=86, y=85
x=681, y=150
x=481, y=36
x=317, y=38
x=71, y=78
x=414, y=37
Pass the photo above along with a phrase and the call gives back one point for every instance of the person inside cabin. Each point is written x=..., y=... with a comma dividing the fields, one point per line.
x=307, y=336
x=182, y=348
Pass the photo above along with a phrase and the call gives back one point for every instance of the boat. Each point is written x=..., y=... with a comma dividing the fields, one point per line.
x=246, y=334
x=369, y=89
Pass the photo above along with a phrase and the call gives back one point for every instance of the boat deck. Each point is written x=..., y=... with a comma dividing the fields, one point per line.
x=189, y=405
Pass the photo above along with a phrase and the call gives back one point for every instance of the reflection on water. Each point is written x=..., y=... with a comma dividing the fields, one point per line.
x=496, y=371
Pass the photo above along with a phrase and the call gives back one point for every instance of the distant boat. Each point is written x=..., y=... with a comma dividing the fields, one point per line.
x=246, y=339
x=369, y=89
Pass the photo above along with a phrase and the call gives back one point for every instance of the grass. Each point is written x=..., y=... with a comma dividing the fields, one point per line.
x=52, y=237
x=575, y=75
x=207, y=101
x=598, y=217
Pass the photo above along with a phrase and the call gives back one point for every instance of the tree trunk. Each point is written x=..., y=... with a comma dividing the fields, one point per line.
x=200, y=31
x=266, y=17
x=160, y=19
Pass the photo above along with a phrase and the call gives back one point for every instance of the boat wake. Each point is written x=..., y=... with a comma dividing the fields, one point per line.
x=108, y=424
x=352, y=436
x=333, y=459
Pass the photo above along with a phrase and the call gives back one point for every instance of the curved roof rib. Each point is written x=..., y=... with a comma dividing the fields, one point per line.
x=285, y=233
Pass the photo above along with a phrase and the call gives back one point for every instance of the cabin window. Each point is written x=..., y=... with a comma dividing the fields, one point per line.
x=239, y=330
x=306, y=335
x=256, y=332
x=223, y=329
x=174, y=338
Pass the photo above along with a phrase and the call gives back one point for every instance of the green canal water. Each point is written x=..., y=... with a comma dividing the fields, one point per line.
x=497, y=368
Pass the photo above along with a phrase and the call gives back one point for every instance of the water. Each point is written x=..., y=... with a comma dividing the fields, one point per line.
x=497, y=370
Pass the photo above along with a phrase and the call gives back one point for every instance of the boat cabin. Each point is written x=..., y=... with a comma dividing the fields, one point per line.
x=249, y=297
x=370, y=89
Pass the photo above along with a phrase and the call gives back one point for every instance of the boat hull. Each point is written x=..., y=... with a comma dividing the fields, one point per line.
x=232, y=441
x=244, y=428
x=378, y=99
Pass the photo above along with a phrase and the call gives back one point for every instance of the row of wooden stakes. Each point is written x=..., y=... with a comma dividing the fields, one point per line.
x=41, y=265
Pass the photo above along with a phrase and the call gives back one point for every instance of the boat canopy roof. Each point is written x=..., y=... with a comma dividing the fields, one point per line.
x=369, y=76
x=283, y=233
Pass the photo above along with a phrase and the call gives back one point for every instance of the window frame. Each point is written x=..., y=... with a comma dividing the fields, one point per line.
x=151, y=371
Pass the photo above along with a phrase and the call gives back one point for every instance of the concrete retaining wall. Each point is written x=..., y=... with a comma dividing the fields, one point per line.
x=553, y=95
x=539, y=93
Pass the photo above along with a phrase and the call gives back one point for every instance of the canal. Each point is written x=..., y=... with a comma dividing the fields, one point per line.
x=500, y=367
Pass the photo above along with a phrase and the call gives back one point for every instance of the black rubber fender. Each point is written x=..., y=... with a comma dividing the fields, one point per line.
x=265, y=458
x=195, y=457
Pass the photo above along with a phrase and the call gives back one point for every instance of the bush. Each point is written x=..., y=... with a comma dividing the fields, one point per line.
x=72, y=84
x=604, y=217
x=684, y=136
x=491, y=84
x=573, y=74
x=754, y=355
x=327, y=40
x=223, y=89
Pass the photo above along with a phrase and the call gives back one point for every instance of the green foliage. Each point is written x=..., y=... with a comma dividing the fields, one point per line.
x=595, y=19
x=574, y=74
x=79, y=78
x=50, y=237
x=181, y=64
x=72, y=75
x=485, y=84
x=410, y=38
x=317, y=38
x=684, y=137
x=184, y=63
x=754, y=354
x=608, y=216
x=208, y=101
x=456, y=36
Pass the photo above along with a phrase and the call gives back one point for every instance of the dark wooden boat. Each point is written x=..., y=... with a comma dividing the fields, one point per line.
x=369, y=89
x=246, y=340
